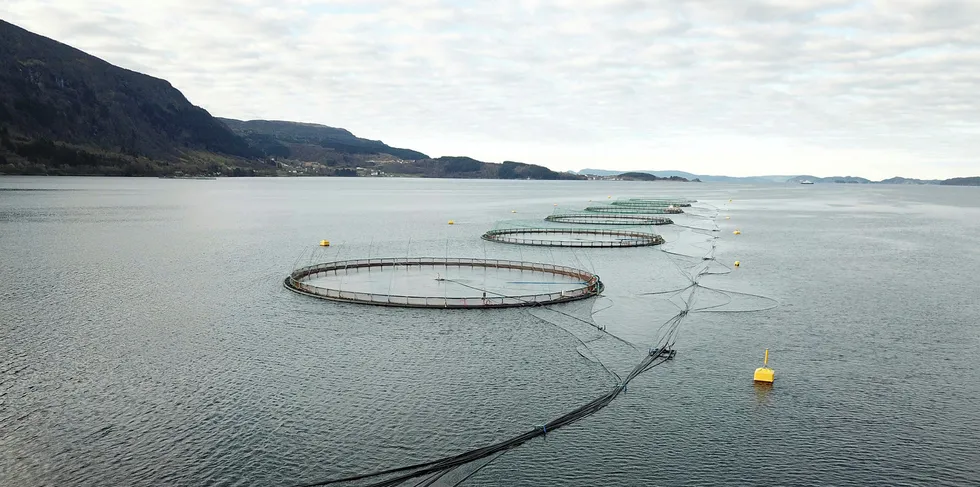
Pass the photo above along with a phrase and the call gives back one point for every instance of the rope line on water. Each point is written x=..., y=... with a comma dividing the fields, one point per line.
x=537, y=305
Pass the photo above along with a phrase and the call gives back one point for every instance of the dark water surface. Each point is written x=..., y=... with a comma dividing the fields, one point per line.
x=145, y=337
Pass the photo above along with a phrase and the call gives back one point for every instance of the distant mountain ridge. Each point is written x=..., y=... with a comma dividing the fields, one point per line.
x=771, y=179
x=319, y=149
x=859, y=180
x=971, y=181
x=832, y=179
x=643, y=176
x=901, y=180
x=274, y=137
x=690, y=176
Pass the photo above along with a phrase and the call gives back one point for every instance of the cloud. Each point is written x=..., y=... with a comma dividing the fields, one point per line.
x=825, y=87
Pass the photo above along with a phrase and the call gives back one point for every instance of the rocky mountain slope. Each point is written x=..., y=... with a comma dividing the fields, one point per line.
x=63, y=111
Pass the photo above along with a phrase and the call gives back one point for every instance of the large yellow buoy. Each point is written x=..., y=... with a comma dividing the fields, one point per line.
x=765, y=374
x=324, y=243
x=737, y=263
x=451, y=222
x=737, y=232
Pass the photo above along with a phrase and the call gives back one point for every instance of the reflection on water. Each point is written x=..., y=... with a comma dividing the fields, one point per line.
x=762, y=390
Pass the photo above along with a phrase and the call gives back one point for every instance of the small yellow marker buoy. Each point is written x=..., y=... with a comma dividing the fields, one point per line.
x=765, y=374
x=451, y=222
x=608, y=197
x=324, y=243
x=737, y=232
x=729, y=201
x=737, y=263
x=513, y=211
x=556, y=204
x=728, y=218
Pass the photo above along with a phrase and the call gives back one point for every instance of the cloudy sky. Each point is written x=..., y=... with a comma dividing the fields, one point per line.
x=740, y=87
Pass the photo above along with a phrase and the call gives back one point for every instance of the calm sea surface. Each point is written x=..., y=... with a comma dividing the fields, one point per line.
x=146, y=339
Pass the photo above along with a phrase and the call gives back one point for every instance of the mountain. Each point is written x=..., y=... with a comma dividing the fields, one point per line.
x=63, y=111
x=971, y=181
x=319, y=149
x=691, y=176
x=901, y=180
x=642, y=176
x=766, y=179
x=467, y=167
x=281, y=139
x=832, y=179
x=666, y=174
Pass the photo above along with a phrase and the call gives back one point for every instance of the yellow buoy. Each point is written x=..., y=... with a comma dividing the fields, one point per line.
x=765, y=374
x=608, y=197
x=728, y=218
x=451, y=222
x=737, y=232
x=324, y=243
x=556, y=204
x=729, y=201
x=737, y=263
x=513, y=211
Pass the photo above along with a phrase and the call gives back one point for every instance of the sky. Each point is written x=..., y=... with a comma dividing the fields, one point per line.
x=867, y=88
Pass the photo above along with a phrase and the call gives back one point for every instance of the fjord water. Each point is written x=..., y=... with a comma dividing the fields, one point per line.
x=145, y=337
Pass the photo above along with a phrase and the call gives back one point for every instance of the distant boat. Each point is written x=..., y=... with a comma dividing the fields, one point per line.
x=806, y=181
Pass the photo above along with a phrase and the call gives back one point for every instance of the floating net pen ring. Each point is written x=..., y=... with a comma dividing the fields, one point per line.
x=573, y=237
x=586, y=218
x=649, y=203
x=580, y=284
x=635, y=210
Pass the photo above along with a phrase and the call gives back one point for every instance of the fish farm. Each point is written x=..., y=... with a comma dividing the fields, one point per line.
x=435, y=282
x=637, y=210
x=573, y=237
x=651, y=203
x=592, y=218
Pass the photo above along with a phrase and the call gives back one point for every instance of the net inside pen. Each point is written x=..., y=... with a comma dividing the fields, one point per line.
x=435, y=282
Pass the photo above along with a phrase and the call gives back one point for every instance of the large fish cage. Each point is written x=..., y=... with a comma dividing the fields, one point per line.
x=643, y=202
x=459, y=283
x=549, y=234
x=635, y=210
x=592, y=218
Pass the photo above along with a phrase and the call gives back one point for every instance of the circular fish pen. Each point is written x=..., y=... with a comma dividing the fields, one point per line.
x=635, y=210
x=588, y=218
x=573, y=237
x=435, y=282
x=633, y=202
